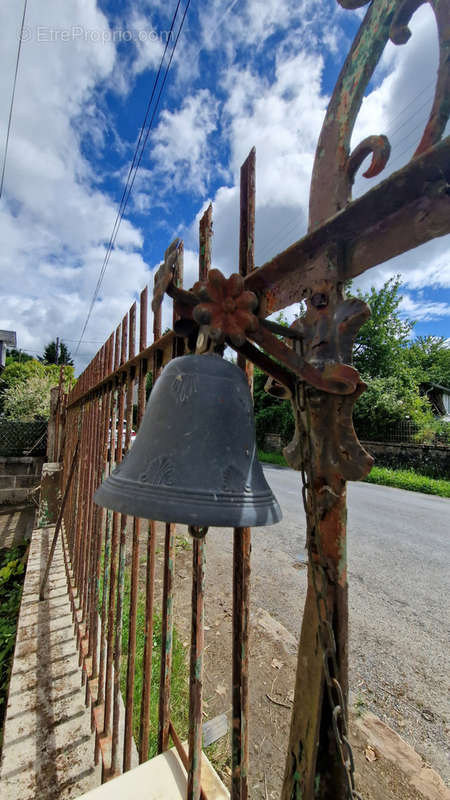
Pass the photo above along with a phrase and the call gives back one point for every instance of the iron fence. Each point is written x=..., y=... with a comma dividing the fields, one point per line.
x=23, y=438
x=344, y=239
x=99, y=415
x=407, y=432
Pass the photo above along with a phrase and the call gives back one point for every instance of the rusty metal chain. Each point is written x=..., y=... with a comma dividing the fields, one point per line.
x=320, y=586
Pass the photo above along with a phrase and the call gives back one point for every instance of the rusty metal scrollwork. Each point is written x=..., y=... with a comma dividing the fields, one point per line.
x=327, y=334
x=165, y=273
x=334, y=167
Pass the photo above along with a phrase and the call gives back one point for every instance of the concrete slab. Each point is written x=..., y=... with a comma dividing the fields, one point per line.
x=16, y=524
x=161, y=778
x=388, y=745
x=48, y=748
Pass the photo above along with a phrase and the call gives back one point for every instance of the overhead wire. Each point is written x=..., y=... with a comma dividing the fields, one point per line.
x=124, y=197
x=13, y=95
x=86, y=341
x=142, y=141
x=294, y=221
x=141, y=144
x=413, y=100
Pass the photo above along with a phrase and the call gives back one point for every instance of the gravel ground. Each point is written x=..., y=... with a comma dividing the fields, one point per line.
x=399, y=584
x=399, y=661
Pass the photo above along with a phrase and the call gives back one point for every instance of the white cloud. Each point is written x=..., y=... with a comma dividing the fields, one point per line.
x=148, y=41
x=55, y=217
x=435, y=274
x=423, y=310
x=181, y=151
x=400, y=104
x=54, y=222
x=269, y=115
x=283, y=116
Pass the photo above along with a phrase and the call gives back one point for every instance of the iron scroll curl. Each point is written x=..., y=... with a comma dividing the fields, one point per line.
x=334, y=166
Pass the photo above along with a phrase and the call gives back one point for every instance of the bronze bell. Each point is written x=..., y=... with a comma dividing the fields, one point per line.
x=194, y=460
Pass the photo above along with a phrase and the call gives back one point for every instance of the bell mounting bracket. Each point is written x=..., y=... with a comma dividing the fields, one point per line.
x=222, y=311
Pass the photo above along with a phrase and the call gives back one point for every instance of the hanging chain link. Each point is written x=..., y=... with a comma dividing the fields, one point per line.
x=320, y=586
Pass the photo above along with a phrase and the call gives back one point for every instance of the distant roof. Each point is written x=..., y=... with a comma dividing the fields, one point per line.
x=9, y=338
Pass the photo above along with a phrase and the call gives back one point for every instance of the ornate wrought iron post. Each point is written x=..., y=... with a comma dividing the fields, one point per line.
x=319, y=762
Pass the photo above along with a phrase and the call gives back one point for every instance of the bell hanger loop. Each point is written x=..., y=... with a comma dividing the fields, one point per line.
x=204, y=342
x=206, y=345
x=198, y=531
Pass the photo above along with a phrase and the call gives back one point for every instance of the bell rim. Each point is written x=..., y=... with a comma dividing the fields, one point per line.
x=257, y=509
x=252, y=497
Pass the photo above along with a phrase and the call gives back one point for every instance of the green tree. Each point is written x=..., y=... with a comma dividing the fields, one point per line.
x=380, y=347
x=429, y=357
x=26, y=388
x=381, y=355
x=54, y=354
x=272, y=415
x=17, y=355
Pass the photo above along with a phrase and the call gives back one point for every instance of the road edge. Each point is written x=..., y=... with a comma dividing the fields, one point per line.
x=389, y=745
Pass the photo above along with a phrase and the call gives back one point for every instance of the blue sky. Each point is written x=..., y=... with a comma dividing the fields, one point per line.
x=249, y=72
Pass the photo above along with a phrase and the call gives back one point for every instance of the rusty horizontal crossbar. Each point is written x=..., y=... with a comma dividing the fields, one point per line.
x=161, y=344
x=407, y=209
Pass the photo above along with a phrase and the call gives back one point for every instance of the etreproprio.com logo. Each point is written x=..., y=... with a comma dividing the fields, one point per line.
x=45, y=33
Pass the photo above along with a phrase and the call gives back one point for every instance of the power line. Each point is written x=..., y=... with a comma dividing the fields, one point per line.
x=136, y=159
x=416, y=97
x=124, y=197
x=281, y=233
x=391, y=133
x=293, y=221
x=86, y=341
x=8, y=131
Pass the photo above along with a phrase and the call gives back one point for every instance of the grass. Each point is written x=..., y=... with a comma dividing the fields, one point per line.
x=272, y=458
x=179, y=704
x=408, y=479
x=384, y=476
x=12, y=575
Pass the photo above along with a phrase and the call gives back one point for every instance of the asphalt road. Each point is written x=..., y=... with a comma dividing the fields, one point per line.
x=399, y=588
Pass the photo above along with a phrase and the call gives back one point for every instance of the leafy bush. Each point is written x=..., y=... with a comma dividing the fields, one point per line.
x=12, y=570
x=26, y=392
x=271, y=414
x=389, y=400
x=436, y=432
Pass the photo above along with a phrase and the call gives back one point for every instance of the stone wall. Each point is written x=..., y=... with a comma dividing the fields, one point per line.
x=427, y=459
x=18, y=474
x=273, y=443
